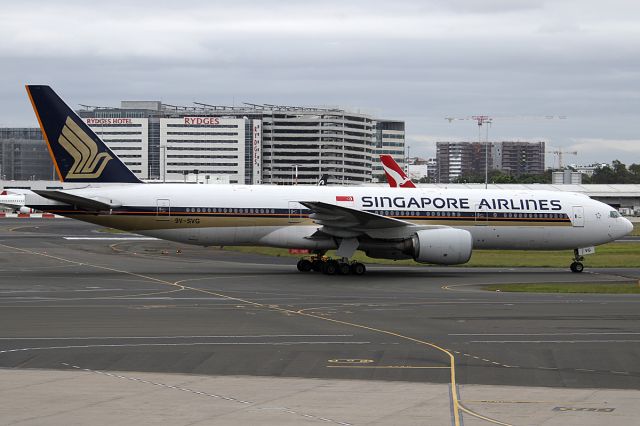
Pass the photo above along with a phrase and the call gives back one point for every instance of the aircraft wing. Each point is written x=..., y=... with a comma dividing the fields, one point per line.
x=346, y=222
x=10, y=205
x=84, y=203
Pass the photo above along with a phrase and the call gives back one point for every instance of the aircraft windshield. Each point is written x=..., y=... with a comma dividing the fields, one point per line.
x=614, y=214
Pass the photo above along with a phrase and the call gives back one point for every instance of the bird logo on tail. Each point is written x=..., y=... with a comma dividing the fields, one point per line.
x=395, y=176
x=87, y=161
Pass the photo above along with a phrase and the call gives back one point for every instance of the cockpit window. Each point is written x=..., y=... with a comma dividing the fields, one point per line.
x=614, y=214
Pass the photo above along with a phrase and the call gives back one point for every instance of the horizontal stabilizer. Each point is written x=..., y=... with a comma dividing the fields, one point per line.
x=92, y=204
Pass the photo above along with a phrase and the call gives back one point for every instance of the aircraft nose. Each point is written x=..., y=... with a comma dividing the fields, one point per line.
x=628, y=226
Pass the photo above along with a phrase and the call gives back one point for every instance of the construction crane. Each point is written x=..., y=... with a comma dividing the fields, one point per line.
x=481, y=120
x=560, y=153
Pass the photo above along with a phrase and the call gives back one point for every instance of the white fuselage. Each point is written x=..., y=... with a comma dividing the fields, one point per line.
x=272, y=216
x=14, y=202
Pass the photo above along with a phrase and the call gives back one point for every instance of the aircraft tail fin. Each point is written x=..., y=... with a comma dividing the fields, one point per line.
x=78, y=154
x=396, y=177
x=324, y=179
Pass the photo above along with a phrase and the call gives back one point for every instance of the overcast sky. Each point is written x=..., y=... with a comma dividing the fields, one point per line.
x=418, y=61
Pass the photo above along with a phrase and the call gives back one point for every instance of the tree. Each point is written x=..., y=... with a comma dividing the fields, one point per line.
x=499, y=177
x=616, y=173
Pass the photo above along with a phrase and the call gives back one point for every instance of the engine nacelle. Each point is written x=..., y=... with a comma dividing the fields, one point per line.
x=25, y=210
x=444, y=246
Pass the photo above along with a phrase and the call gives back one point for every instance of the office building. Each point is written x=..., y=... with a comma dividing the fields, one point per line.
x=252, y=144
x=459, y=159
x=519, y=158
x=389, y=139
x=24, y=155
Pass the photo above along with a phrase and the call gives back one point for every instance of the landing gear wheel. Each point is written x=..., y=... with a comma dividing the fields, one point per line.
x=344, y=268
x=358, y=268
x=330, y=267
x=577, y=267
x=304, y=265
x=316, y=265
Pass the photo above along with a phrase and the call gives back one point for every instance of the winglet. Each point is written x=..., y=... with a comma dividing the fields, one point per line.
x=395, y=175
x=77, y=152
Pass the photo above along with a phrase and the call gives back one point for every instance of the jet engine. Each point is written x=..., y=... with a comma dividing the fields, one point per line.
x=443, y=246
x=24, y=210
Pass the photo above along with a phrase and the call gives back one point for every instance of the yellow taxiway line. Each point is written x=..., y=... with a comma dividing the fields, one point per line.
x=455, y=400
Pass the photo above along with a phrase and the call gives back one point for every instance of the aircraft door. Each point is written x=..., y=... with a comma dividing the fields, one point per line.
x=163, y=209
x=578, y=216
x=482, y=215
x=295, y=212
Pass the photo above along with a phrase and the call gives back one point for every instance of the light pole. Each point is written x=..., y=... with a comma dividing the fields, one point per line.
x=484, y=119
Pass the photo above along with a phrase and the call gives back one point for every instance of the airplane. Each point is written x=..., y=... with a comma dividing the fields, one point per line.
x=435, y=226
x=396, y=177
x=14, y=202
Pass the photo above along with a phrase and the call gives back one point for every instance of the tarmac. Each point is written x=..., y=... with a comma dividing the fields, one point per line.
x=101, y=328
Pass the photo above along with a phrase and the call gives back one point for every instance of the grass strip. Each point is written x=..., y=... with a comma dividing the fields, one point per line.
x=627, y=287
x=612, y=255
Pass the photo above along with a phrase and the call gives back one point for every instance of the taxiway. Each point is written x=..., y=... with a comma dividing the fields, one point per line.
x=74, y=298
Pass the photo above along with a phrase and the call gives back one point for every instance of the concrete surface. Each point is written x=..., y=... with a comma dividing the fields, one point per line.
x=37, y=397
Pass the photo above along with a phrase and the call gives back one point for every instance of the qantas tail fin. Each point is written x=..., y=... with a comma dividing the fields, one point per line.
x=395, y=175
x=77, y=152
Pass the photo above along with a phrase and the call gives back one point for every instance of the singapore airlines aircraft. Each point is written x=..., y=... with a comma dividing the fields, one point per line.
x=439, y=226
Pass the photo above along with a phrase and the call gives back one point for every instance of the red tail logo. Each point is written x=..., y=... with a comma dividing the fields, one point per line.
x=395, y=175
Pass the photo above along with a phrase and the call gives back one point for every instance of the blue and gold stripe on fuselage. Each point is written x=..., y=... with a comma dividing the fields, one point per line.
x=132, y=218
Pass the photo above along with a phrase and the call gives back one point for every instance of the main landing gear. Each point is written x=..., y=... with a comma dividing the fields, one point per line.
x=576, y=265
x=328, y=266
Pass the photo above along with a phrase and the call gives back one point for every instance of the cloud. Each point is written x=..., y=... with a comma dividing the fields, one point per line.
x=414, y=60
x=618, y=148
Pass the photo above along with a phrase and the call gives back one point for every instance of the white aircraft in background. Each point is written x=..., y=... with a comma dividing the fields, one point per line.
x=438, y=226
x=14, y=202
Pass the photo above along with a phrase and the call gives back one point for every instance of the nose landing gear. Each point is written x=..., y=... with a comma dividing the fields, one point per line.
x=576, y=265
